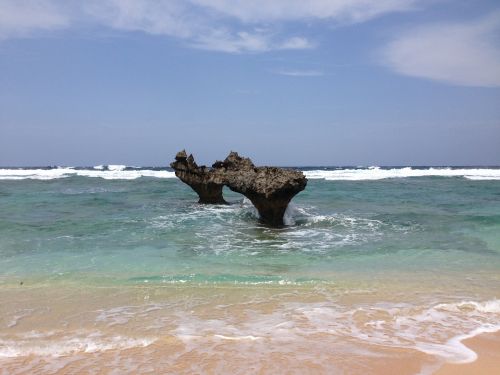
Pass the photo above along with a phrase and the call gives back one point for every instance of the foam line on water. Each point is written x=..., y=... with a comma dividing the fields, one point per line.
x=377, y=173
x=113, y=172
x=117, y=172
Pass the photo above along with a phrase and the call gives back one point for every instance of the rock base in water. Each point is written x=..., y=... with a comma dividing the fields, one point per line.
x=270, y=189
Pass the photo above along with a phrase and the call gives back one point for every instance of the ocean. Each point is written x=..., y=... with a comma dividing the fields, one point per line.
x=115, y=269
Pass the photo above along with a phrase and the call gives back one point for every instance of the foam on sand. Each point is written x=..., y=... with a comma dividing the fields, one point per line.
x=316, y=332
x=52, y=345
x=435, y=330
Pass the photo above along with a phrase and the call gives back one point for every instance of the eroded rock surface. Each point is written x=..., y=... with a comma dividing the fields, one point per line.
x=200, y=179
x=270, y=189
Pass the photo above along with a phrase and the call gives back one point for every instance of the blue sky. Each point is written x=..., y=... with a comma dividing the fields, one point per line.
x=320, y=82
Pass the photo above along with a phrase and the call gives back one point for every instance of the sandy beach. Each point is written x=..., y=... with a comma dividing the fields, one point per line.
x=221, y=329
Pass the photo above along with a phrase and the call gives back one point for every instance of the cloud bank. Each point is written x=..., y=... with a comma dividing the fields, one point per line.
x=295, y=10
x=232, y=26
x=21, y=18
x=458, y=53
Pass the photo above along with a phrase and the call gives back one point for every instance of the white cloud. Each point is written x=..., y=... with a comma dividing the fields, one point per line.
x=296, y=42
x=301, y=73
x=232, y=26
x=20, y=18
x=458, y=53
x=256, y=41
x=225, y=41
x=171, y=18
x=294, y=10
x=197, y=26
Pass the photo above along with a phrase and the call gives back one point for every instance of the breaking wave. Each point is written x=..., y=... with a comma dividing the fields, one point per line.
x=111, y=172
x=122, y=172
x=377, y=173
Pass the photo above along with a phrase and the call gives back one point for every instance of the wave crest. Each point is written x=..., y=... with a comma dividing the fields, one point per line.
x=112, y=172
x=116, y=172
x=377, y=173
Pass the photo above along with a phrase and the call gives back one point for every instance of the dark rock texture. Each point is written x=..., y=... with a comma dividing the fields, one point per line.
x=270, y=189
x=201, y=179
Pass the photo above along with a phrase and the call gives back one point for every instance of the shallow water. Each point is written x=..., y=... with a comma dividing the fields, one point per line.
x=119, y=268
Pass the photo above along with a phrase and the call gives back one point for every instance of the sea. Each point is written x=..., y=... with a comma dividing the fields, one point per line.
x=117, y=270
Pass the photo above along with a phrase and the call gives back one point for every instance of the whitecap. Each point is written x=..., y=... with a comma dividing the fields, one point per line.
x=377, y=173
x=113, y=173
x=353, y=174
x=116, y=167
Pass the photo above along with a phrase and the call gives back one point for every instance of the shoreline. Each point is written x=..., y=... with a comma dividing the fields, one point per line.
x=487, y=348
x=148, y=324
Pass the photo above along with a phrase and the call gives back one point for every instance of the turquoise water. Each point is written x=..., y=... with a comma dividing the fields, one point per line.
x=152, y=229
x=121, y=265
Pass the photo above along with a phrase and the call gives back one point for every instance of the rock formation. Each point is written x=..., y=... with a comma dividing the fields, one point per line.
x=270, y=189
x=201, y=179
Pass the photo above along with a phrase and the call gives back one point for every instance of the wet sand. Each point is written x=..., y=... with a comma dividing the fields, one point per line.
x=386, y=362
x=225, y=329
x=170, y=355
x=487, y=347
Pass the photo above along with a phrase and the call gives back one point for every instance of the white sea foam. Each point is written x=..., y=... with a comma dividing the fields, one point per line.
x=116, y=172
x=454, y=350
x=120, y=172
x=18, y=316
x=116, y=167
x=312, y=232
x=492, y=306
x=292, y=328
x=437, y=330
x=237, y=338
x=377, y=173
x=52, y=346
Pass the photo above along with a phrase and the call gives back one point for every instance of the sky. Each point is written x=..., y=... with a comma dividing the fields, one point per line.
x=318, y=82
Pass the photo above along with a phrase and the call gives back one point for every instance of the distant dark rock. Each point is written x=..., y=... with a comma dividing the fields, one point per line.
x=270, y=189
